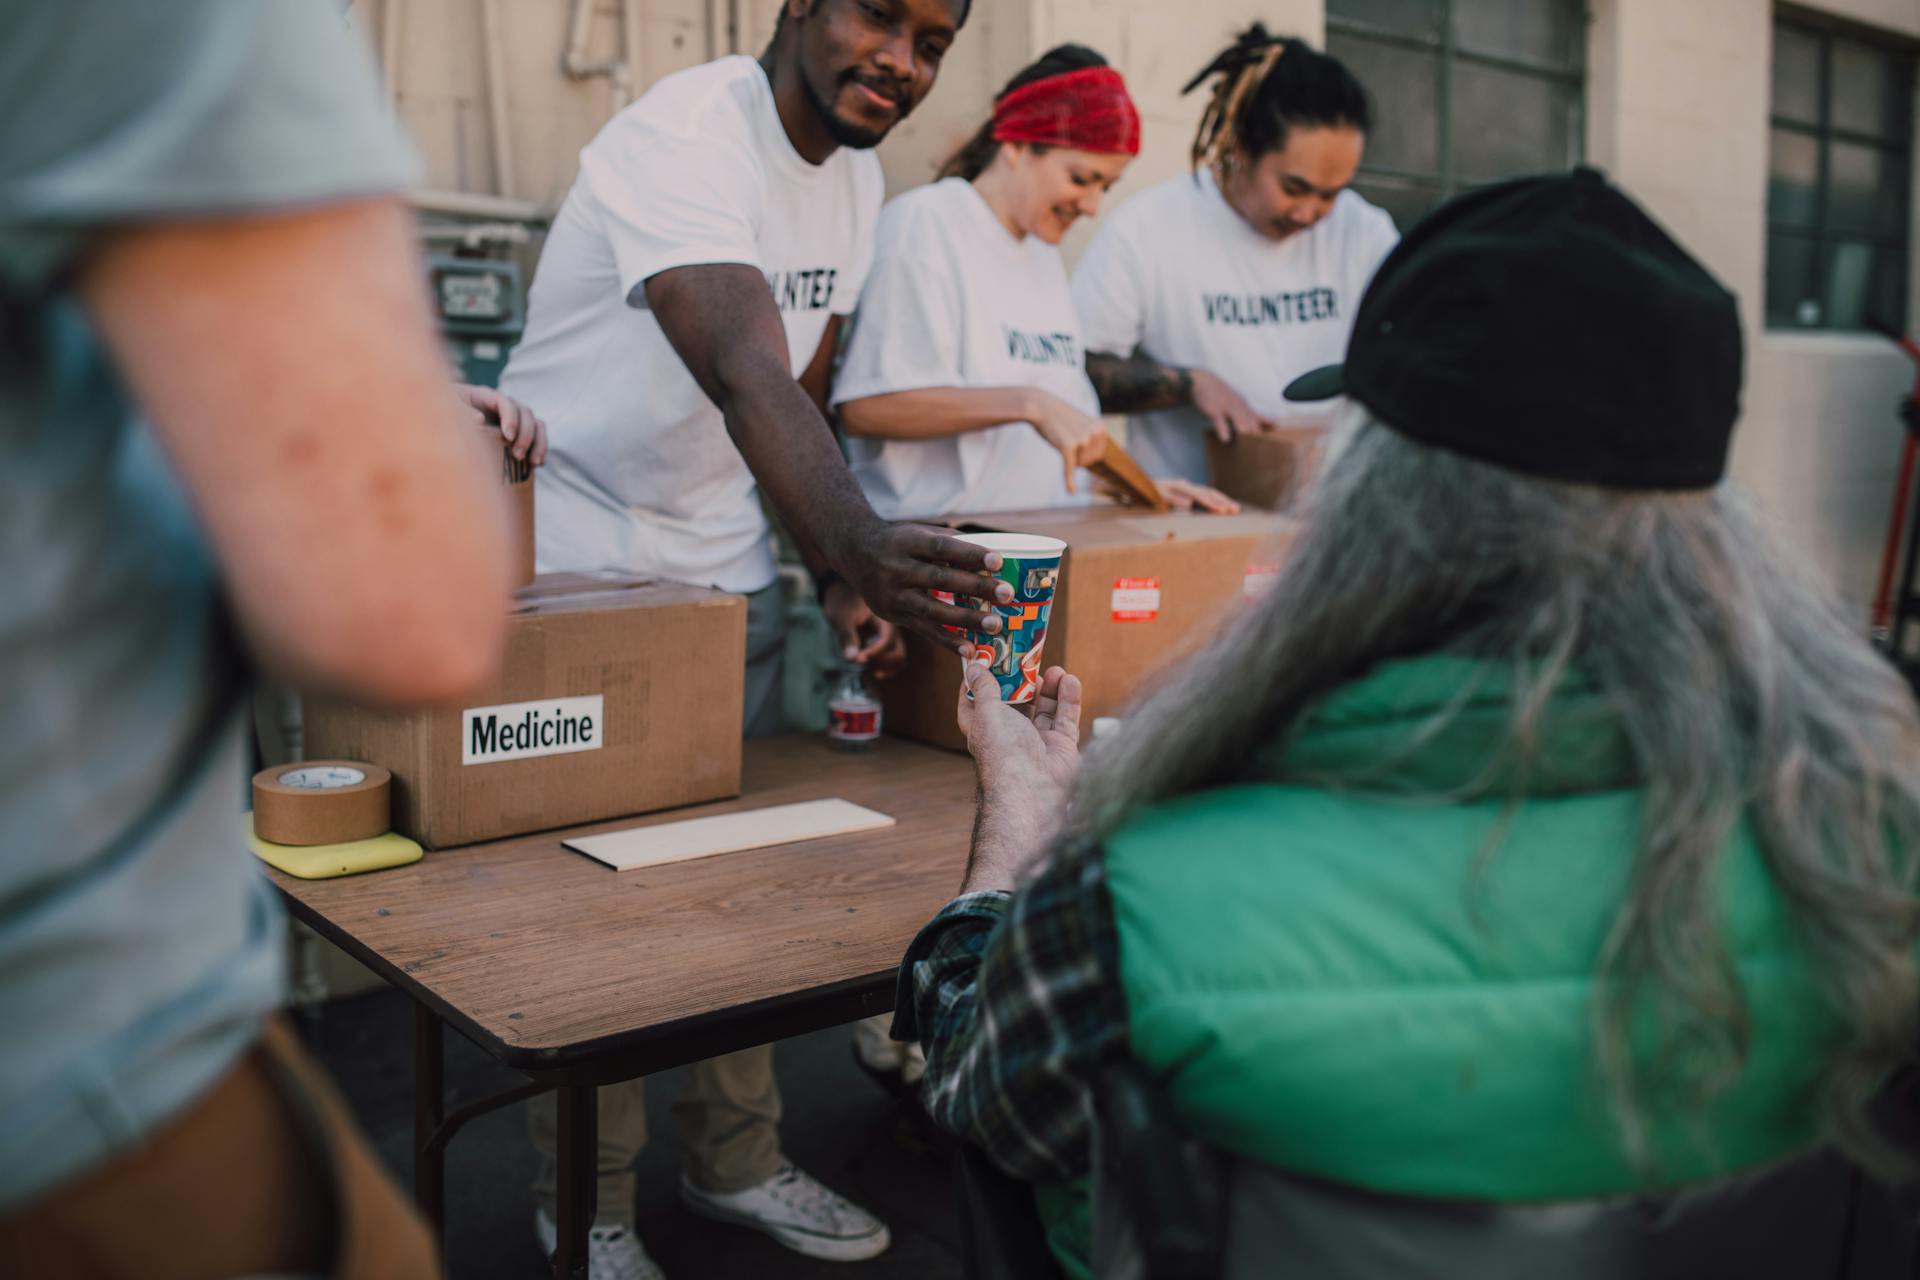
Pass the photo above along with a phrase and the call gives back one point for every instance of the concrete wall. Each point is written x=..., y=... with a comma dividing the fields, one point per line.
x=1678, y=104
x=437, y=71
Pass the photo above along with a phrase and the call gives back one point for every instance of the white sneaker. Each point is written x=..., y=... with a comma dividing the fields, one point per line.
x=613, y=1253
x=895, y=1065
x=913, y=1064
x=799, y=1213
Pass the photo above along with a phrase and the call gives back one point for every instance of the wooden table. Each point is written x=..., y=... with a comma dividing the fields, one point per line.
x=577, y=975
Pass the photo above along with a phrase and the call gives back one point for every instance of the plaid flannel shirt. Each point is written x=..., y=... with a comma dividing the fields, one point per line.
x=1016, y=999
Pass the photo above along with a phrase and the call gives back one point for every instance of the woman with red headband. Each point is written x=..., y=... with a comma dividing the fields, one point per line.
x=963, y=387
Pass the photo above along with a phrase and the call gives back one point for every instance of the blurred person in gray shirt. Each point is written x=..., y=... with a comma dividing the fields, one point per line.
x=226, y=439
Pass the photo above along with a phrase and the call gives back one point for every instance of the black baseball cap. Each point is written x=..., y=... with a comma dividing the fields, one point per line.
x=1550, y=326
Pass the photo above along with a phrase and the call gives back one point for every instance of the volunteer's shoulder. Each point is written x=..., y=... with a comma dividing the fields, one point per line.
x=931, y=202
x=1362, y=220
x=868, y=186
x=1146, y=218
x=1171, y=200
x=916, y=220
x=869, y=179
x=709, y=106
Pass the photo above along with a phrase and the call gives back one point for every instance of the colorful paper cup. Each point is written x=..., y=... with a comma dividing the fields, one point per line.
x=1031, y=563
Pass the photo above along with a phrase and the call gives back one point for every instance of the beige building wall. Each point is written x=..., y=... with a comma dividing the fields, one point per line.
x=437, y=55
x=1678, y=102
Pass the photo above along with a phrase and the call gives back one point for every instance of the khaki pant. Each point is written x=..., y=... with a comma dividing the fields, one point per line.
x=263, y=1175
x=728, y=1117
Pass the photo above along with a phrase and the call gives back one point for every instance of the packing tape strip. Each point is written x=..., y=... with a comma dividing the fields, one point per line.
x=322, y=802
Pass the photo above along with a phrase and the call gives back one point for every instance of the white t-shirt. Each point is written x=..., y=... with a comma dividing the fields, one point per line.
x=955, y=301
x=641, y=475
x=1176, y=272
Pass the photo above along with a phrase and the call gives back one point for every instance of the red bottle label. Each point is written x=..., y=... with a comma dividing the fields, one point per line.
x=853, y=724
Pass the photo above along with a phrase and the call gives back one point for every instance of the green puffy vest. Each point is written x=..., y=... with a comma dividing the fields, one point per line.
x=1345, y=983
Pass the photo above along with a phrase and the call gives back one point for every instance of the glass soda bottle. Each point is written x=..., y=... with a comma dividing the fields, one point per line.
x=853, y=713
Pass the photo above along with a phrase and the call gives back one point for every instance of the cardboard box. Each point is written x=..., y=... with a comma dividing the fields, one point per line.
x=1135, y=590
x=1270, y=470
x=616, y=697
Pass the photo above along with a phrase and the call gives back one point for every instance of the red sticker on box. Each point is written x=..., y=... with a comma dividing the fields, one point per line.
x=1136, y=599
x=1258, y=581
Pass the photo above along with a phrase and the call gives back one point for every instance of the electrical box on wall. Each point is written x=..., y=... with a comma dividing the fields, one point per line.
x=482, y=310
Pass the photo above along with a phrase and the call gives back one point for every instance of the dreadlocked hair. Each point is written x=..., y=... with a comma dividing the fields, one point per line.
x=1264, y=85
x=973, y=157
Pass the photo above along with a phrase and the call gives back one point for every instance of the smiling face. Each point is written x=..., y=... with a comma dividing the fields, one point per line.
x=866, y=64
x=1050, y=188
x=1289, y=189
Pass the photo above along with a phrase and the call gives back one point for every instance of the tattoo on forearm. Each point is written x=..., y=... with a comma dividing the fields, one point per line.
x=1132, y=384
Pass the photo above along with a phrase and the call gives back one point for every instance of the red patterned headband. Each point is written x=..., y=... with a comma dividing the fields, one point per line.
x=1088, y=110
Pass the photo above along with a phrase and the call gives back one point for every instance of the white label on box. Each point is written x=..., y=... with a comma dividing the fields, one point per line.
x=1259, y=580
x=1136, y=599
x=517, y=730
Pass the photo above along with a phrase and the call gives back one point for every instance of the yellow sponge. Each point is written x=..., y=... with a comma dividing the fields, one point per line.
x=320, y=861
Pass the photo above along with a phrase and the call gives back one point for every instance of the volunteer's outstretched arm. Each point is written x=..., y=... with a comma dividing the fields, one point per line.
x=723, y=324
x=934, y=412
x=360, y=528
x=864, y=637
x=1138, y=383
x=817, y=380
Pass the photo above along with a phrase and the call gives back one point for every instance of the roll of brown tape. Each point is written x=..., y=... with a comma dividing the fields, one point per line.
x=322, y=802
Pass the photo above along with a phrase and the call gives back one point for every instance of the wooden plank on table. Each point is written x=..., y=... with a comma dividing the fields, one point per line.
x=727, y=833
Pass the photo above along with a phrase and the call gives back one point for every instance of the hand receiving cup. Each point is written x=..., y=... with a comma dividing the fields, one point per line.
x=1031, y=565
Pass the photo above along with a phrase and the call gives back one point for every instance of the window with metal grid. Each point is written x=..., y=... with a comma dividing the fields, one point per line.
x=1465, y=92
x=1840, y=182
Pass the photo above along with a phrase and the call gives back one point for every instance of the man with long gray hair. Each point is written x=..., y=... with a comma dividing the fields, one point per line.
x=1544, y=835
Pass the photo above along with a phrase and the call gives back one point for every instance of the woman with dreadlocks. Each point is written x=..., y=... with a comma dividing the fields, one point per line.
x=963, y=388
x=1202, y=297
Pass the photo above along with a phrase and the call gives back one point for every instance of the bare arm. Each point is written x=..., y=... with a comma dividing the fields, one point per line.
x=352, y=513
x=937, y=412
x=864, y=638
x=1138, y=383
x=723, y=324
x=817, y=381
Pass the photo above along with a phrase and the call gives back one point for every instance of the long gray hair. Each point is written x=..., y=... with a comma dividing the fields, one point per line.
x=1740, y=688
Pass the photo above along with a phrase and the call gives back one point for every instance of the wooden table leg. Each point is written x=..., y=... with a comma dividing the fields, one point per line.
x=429, y=1108
x=577, y=1152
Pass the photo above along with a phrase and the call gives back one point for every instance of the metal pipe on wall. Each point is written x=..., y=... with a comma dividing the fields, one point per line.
x=622, y=72
x=626, y=80
x=469, y=204
x=503, y=176
x=579, y=27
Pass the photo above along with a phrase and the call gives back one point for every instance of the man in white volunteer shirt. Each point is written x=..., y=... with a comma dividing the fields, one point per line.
x=680, y=335
x=1202, y=297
